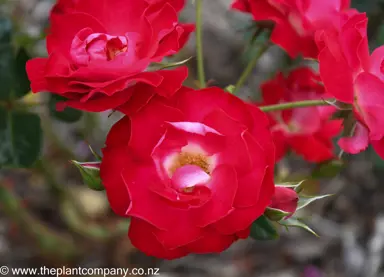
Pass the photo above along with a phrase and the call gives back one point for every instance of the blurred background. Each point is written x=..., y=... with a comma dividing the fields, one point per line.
x=49, y=218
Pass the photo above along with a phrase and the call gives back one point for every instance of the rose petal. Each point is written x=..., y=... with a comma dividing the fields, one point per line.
x=358, y=142
x=113, y=163
x=370, y=103
x=240, y=219
x=142, y=237
x=312, y=148
x=189, y=176
x=211, y=242
x=223, y=186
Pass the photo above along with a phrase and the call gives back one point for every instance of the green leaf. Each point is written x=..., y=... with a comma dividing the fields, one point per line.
x=69, y=115
x=6, y=72
x=13, y=76
x=275, y=214
x=306, y=200
x=21, y=81
x=294, y=222
x=328, y=169
x=5, y=30
x=263, y=229
x=20, y=138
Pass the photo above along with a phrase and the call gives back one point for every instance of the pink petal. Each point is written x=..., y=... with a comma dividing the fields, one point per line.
x=358, y=142
x=189, y=176
x=370, y=103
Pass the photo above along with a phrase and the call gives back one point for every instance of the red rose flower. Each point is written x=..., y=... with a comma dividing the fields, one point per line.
x=192, y=173
x=62, y=7
x=352, y=76
x=99, y=50
x=343, y=54
x=295, y=20
x=285, y=199
x=307, y=131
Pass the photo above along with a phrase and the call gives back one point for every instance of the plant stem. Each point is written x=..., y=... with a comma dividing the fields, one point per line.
x=199, y=44
x=298, y=104
x=252, y=63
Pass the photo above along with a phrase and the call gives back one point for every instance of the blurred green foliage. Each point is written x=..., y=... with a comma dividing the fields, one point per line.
x=20, y=130
x=69, y=115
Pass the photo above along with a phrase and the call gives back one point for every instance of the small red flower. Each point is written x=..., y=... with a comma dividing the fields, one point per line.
x=352, y=76
x=99, y=50
x=307, y=131
x=192, y=172
x=285, y=199
x=295, y=20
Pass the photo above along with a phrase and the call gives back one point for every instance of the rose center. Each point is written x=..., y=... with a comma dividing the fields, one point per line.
x=97, y=47
x=187, y=158
x=115, y=47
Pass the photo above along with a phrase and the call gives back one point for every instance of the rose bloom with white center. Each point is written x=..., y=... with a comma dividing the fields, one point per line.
x=192, y=172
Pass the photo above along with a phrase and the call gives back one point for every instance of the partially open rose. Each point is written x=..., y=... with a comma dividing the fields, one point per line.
x=99, y=50
x=296, y=21
x=192, y=172
x=285, y=199
x=353, y=76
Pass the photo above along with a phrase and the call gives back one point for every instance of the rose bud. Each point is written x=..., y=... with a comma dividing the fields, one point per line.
x=284, y=199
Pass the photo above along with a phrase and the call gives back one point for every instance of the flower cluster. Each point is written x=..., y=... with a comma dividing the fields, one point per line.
x=335, y=35
x=194, y=169
x=296, y=21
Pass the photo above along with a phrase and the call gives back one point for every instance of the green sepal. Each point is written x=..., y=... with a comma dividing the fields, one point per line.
x=90, y=171
x=263, y=229
x=275, y=214
x=294, y=222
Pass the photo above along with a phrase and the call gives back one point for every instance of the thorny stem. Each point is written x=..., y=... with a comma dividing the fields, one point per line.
x=298, y=104
x=199, y=44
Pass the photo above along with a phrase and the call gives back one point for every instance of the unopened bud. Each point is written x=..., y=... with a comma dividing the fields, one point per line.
x=90, y=171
